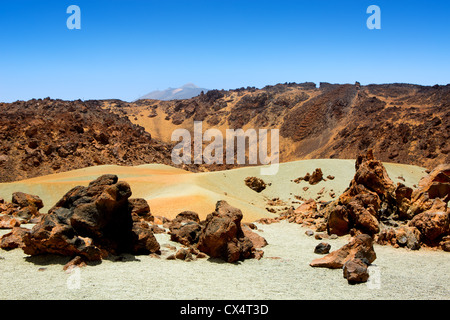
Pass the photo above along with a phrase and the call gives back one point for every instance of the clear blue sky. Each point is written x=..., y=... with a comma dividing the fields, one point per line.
x=126, y=48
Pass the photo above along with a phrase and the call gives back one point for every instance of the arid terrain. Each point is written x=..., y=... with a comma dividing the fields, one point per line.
x=402, y=123
x=88, y=190
x=282, y=273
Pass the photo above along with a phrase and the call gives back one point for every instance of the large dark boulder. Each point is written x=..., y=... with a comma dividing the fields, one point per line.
x=223, y=237
x=92, y=222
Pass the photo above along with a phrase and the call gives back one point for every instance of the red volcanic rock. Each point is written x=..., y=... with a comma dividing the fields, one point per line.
x=222, y=236
x=408, y=236
x=52, y=236
x=364, y=219
x=358, y=207
x=47, y=136
x=185, y=228
x=24, y=200
x=338, y=221
x=24, y=207
x=436, y=185
x=307, y=208
x=355, y=271
x=433, y=224
x=75, y=262
x=91, y=222
x=316, y=177
x=372, y=196
x=372, y=174
x=13, y=239
x=445, y=243
x=140, y=210
x=313, y=178
x=187, y=233
x=258, y=241
x=360, y=247
x=403, y=199
x=144, y=241
x=8, y=222
x=187, y=216
x=322, y=248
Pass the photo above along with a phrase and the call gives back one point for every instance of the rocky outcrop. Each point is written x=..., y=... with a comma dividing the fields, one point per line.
x=223, y=237
x=91, y=222
x=406, y=123
x=359, y=206
x=433, y=224
x=396, y=215
x=436, y=185
x=46, y=136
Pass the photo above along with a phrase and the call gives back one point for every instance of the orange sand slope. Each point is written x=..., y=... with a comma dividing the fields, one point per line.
x=170, y=191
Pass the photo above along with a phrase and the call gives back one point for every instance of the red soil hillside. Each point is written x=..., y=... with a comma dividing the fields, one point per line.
x=402, y=123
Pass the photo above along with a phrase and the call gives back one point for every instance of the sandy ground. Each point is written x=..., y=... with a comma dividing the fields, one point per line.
x=283, y=273
x=170, y=191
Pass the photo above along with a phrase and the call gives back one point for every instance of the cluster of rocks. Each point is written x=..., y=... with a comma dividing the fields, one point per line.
x=309, y=214
x=23, y=208
x=389, y=213
x=374, y=209
x=313, y=178
x=393, y=214
x=354, y=258
x=91, y=223
x=221, y=235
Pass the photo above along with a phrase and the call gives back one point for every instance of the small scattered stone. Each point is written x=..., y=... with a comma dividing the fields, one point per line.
x=355, y=271
x=320, y=236
x=322, y=248
x=254, y=183
x=181, y=254
x=309, y=233
x=75, y=262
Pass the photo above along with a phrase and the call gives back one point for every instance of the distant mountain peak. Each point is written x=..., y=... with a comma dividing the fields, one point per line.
x=187, y=91
x=190, y=85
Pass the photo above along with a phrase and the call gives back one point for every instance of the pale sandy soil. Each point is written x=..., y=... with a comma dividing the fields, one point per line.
x=170, y=191
x=283, y=272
